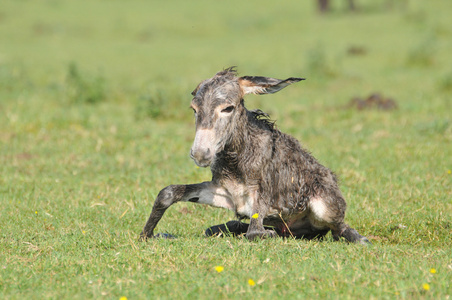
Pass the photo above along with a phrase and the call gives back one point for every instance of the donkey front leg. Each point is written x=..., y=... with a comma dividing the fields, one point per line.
x=205, y=193
x=256, y=228
x=233, y=227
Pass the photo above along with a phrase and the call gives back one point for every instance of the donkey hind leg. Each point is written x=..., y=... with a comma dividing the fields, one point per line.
x=313, y=234
x=350, y=234
x=330, y=212
x=204, y=193
x=234, y=228
x=344, y=230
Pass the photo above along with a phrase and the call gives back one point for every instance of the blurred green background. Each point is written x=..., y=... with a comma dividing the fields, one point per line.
x=95, y=121
x=150, y=41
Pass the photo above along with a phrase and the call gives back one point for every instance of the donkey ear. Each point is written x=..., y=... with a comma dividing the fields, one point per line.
x=196, y=90
x=264, y=85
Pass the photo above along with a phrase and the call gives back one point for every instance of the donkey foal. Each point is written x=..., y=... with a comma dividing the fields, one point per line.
x=258, y=172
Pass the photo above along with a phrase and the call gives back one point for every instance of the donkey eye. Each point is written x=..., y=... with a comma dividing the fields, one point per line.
x=228, y=109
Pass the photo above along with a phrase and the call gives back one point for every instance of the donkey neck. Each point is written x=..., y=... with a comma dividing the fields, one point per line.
x=247, y=132
x=247, y=148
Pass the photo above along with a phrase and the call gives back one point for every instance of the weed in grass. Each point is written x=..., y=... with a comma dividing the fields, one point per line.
x=163, y=101
x=82, y=88
x=442, y=127
x=13, y=78
x=317, y=63
x=151, y=104
x=423, y=54
x=445, y=83
x=416, y=17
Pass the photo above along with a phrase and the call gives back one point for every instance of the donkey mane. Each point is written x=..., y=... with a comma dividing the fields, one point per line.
x=231, y=71
x=263, y=119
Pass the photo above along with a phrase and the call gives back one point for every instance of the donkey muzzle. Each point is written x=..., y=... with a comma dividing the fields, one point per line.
x=202, y=158
x=202, y=151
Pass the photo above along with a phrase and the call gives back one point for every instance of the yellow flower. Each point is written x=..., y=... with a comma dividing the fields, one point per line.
x=426, y=286
x=36, y=212
x=251, y=282
x=433, y=270
x=219, y=269
x=255, y=216
x=123, y=298
x=83, y=232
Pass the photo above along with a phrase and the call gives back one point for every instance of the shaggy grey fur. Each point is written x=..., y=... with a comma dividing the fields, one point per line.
x=258, y=172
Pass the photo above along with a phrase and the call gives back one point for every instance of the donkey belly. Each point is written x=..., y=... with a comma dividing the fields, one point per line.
x=307, y=223
x=307, y=229
x=240, y=196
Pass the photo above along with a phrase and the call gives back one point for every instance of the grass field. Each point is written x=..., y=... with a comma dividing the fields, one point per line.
x=94, y=122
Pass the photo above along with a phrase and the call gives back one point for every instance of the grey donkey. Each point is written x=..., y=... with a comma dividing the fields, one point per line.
x=258, y=172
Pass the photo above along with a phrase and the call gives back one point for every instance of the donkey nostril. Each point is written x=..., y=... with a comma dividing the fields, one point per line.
x=202, y=157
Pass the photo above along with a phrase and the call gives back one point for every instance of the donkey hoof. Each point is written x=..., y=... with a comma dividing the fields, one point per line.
x=217, y=230
x=364, y=241
x=233, y=228
x=144, y=237
x=164, y=236
x=261, y=234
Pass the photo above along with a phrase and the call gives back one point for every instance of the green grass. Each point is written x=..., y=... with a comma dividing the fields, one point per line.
x=94, y=122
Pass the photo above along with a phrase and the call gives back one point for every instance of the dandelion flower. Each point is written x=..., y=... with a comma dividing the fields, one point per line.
x=83, y=232
x=449, y=172
x=123, y=298
x=36, y=212
x=251, y=282
x=255, y=216
x=433, y=270
x=426, y=286
x=219, y=269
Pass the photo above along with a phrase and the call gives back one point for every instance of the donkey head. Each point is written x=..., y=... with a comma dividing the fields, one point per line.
x=219, y=109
